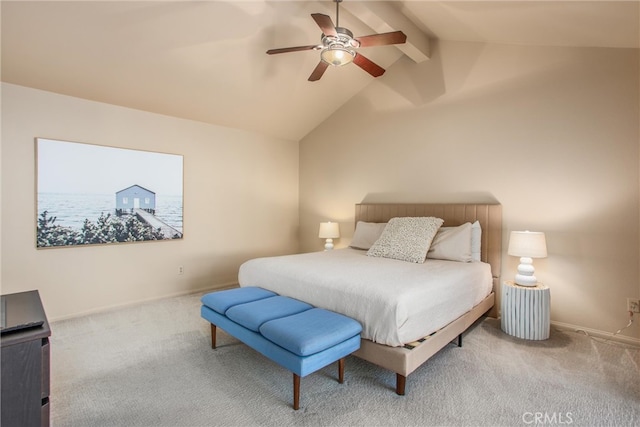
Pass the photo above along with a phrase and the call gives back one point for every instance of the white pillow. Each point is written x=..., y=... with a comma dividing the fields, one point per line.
x=452, y=243
x=476, y=240
x=406, y=239
x=366, y=234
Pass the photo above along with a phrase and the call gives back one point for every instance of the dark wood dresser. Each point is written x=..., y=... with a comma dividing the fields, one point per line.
x=25, y=368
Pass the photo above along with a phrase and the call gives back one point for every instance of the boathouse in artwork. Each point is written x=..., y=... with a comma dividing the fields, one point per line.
x=135, y=197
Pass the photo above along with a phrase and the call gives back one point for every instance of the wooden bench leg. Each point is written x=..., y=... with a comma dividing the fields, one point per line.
x=213, y=336
x=296, y=383
x=296, y=391
x=401, y=381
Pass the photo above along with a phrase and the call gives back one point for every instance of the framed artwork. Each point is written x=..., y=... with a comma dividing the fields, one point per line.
x=92, y=194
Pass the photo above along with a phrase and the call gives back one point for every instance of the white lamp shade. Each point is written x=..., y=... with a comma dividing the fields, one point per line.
x=329, y=230
x=531, y=244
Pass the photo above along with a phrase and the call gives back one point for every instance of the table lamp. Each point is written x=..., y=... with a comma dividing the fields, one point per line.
x=329, y=231
x=527, y=245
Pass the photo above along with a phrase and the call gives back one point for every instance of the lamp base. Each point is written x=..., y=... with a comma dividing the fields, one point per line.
x=525, y=275
x=522, y=280
x=328, y=245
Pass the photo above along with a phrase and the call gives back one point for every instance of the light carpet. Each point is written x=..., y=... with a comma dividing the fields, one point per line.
x=152, y=365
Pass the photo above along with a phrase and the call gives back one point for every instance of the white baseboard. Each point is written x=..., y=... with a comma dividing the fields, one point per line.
x=218, y=287
x=596, y=333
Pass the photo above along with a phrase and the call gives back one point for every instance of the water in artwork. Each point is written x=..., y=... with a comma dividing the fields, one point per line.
x=71, y=210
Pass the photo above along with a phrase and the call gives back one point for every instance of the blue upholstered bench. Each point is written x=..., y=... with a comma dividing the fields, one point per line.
x=294, y=334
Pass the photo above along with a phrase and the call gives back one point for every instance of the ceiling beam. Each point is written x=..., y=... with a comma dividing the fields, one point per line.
x=383, y=18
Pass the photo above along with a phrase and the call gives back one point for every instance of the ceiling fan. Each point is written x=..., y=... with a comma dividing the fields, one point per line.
x=338, y=46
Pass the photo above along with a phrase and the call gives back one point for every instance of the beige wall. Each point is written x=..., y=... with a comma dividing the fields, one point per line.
x=550, y=133
x=240, y=201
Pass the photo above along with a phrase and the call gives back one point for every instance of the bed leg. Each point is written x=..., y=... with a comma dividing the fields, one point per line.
x=401, y=381
x=460, y=340
x=213, y=336
x=296, y=391
x=341, y=370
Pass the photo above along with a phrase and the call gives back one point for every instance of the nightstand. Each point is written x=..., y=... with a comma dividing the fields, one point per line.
x=525, y=311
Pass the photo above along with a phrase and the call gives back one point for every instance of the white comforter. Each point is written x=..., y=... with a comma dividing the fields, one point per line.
x=396, y=302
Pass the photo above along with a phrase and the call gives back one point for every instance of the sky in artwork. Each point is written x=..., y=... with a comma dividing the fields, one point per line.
x=70, y=167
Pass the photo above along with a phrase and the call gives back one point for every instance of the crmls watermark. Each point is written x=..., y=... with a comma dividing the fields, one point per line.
x=547, y=418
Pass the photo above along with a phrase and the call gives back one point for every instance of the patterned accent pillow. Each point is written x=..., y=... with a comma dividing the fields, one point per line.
x=406, y=239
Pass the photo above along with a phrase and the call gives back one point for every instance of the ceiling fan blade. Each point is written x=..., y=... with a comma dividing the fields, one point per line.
x=394, y=37
x=325, y=23
x=318, y=71
x=369, y=66
x=292, y=49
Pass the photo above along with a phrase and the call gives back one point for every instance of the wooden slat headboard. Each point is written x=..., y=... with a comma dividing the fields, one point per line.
x=489, y=216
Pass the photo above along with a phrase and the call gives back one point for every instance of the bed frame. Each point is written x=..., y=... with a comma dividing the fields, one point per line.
x=404, y=361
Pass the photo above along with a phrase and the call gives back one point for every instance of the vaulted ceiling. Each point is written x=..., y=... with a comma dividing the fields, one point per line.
x=206, y=61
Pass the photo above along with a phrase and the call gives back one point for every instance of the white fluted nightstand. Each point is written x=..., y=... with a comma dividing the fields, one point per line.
x=526, y=311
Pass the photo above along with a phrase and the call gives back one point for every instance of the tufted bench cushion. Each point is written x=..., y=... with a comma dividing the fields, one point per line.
x=314, y=330
x=255, y=315
x=292, y=333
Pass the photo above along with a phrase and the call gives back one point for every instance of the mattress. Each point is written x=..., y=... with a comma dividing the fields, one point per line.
x=396, y=302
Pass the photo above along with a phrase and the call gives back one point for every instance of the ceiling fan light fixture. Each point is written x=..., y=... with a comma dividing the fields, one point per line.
x=338, y=46
x=337, y=55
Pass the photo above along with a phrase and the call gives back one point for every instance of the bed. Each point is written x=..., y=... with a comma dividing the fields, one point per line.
x=402, y=325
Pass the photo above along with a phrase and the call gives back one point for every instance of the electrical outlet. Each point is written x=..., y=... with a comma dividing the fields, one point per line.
x=181, y=270
x=633, y=305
